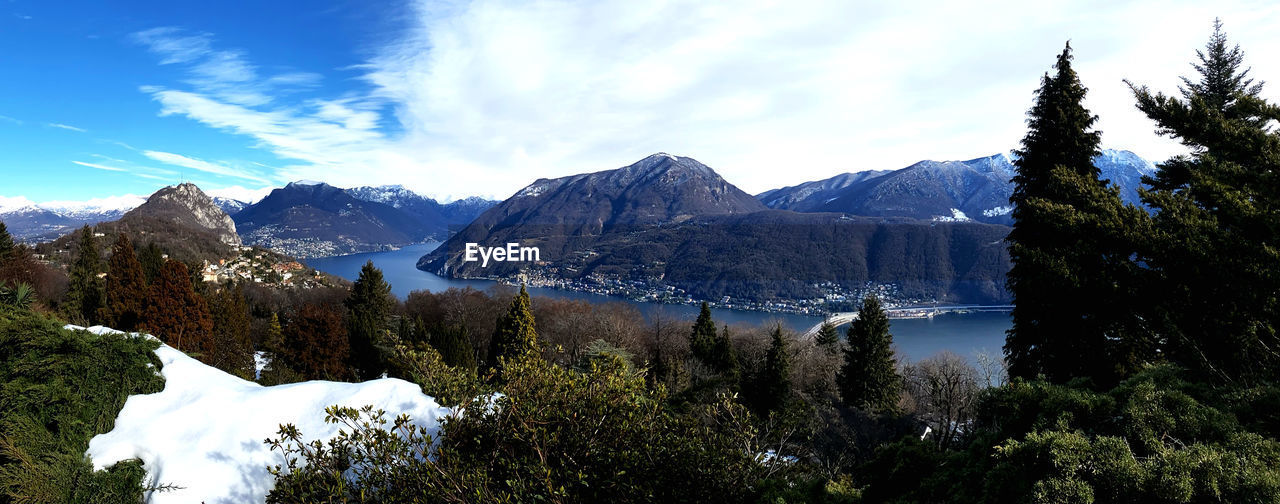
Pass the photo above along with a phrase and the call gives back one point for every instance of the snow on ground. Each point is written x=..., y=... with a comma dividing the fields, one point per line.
x=204, y=432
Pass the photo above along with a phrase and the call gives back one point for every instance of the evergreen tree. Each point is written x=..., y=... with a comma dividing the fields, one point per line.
x=232, y=349
x=126, y=289
x=6, y=243
x=702, y=339
x=869, y=377
x=273, y=340
x=1213, y=251
x=368, y=320
x=176, y=314
x=1072, y=243
x=775, y=383
x=454, y=346
x=315, y=343
x=151, y=258
x=723, y=358
x=84, y=291
x=515, y=336
x=827, y=338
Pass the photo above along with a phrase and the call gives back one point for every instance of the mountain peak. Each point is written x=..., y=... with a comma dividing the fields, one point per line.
x=185, y=204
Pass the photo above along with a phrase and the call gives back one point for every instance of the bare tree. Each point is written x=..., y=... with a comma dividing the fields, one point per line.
x=942, y=390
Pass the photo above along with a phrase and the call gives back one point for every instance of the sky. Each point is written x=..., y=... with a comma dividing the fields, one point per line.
x=480, y=98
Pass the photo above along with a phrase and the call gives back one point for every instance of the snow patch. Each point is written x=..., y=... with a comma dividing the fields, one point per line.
x=997, y=211
x=240, y=193
x=956, y=216
x=204, y=432
x=96, y=205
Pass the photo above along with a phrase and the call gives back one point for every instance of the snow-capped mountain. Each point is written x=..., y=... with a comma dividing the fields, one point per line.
x=31, y=221
x=228, y=205
x=976, y=189
x=456, y=213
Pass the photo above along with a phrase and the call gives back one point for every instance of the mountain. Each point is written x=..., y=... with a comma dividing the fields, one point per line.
x=313, y=219
x=463, y=211
x=32, y=222
x=977, y=189
x=181, y=219
x=230, y=206
x=658, y=189
x=672, y=224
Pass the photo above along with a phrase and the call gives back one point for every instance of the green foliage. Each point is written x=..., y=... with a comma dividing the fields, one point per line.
x=126, y=287
x=450, y=386
x=869, y=377
x=368, y=321
x=84, y=295
x=151, y=259
x=552, y=435
x=232, y=349
x=515, y=336
x=19, y=296
x=59, y=388
x=702, y=338
x=176, y=314
x=828, y=338
x=773, y=387
x=1214, y=264
x=1153, y=438
x=1073, y=280
x=6, y=243
x=454, y=346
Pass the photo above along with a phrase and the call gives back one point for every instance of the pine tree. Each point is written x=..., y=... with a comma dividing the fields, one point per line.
x=273, y=340
x=869, y=377
x=232, y=349
x=176, y=314
x=151, y=258
x=84, y=291
x=775, y=381
x=515, y=336
x=827, y=338
x=6, y=243
x=1212, y=254
x=126, y=287
x=723, y=358
x=702, y=339
x=315, y=343
x=1072, y=243
x=454, y=346
x=368, y=320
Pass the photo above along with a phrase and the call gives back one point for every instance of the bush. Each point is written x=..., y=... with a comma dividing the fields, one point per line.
x=58, y=389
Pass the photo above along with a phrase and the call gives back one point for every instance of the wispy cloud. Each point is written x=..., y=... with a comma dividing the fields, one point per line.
x=11, y=120
x=226, y=74
x=204, y=166
x=100, y=166
x=67, y=127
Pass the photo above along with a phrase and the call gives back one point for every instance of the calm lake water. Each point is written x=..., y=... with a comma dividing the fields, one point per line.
x=965, y=334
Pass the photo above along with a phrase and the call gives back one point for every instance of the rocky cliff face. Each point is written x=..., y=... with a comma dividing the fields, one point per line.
x=187, y=206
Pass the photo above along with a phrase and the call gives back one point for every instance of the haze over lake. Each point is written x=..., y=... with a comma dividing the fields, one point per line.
x=966, y=334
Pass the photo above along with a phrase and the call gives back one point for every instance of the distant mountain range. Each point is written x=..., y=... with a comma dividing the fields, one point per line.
x=301, y=219
x=32, y=222
x=977, y=189
x=671, y=222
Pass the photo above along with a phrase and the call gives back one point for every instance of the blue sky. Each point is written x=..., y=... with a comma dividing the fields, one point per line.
x=482, y=97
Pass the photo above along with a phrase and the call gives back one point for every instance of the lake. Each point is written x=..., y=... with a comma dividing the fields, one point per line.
x=966, y=334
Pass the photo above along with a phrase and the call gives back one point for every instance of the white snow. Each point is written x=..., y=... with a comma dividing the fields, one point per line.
x=204, y=432
x=307, y=182
x=13, y=204
x=956, y=216
x=241, y=193
x=997, y=211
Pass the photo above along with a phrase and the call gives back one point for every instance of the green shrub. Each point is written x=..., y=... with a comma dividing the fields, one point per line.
x=59, y=388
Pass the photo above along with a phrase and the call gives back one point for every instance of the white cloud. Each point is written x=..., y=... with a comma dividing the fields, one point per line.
x=100, y=166
x=67, y=127
x=11, y=203
x=204, y=166
x=489, y=95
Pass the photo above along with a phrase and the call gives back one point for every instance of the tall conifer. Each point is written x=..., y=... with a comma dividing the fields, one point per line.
x=84, y=291
x=869, y=377
x=515, y=336
x=368, y=320
x=126, y=289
